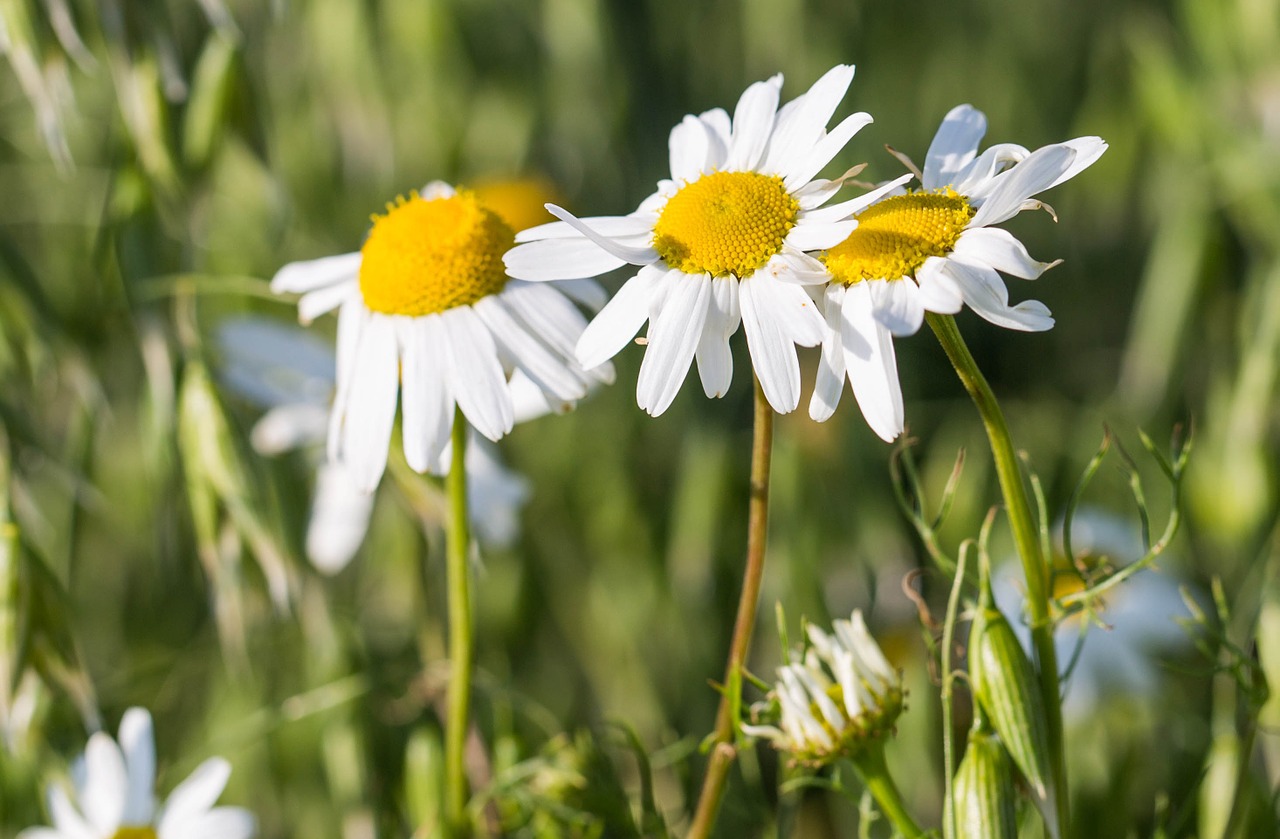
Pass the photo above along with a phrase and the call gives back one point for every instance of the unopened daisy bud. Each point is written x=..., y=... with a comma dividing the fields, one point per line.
x=1004, y=685
x=982, y=794
x=840, y=698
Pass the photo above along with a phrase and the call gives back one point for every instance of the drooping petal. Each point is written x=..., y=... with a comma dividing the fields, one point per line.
x=897, y=305
x=352, y=320
x=871, y=364
x=673, y=339
x=545, y=312
x=954, y=146
x=986, y=294
x=316, y=273
x=752, y=124
x=773, y=353
x=370, y=411
x=475, y=376
x=792, y=308
x=620, y=319
x=938, y=292
x=829, y=383
x=715, y=359
x=427, y=402
x=339, y=519
x=541, y=364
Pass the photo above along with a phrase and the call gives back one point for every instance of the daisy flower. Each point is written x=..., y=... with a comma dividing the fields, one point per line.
x=290, y=373
x=933, y=250
x=428, y=317
x=715, y=243
x=114, y=796
x=840, y=697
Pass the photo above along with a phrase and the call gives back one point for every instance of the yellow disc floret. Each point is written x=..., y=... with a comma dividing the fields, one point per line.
x=135, y=833
x=725, y=223
x=896, y=236
x=427, y=255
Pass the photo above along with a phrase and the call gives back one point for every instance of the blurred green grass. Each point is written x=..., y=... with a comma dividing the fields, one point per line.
x=209, y=143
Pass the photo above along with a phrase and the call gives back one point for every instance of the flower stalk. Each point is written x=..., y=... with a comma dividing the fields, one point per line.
x=723, y=753
x=1027, y=540
x=874, y=773
x=461, y=641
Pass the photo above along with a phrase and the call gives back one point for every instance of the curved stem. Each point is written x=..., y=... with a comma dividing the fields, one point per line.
x=875, y=775
x=461, y=644
x=1026, y=538
x=723, y=753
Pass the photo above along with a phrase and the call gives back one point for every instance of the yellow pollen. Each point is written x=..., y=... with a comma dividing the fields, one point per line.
x=894, y=237
x=428, y=255
x=135, y=833
x=725, y=223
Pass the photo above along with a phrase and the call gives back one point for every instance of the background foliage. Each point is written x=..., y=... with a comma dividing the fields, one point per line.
x=159, y=160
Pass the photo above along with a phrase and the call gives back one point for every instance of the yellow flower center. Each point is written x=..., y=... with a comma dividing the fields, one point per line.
x=135, y=833
x=894, y=237
x=428, y=255
x=725, y=223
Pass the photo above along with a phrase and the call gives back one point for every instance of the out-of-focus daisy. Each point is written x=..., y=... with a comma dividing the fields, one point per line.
x=714, y=241
x=290, y=372
x=841, y=697
x=1139, y=618
x=934, y=250
x=113, y=794
x=428, y=315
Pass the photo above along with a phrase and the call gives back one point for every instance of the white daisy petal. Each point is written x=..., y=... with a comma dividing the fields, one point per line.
x=288, y=427
x=954, y=146
x=673, y=338
x=636, y=255
x=689, y=148
x=795, y=266
x=474, y=374
x=546, y=313
x=620, y=319
x=42, y=833
x=715, y=359
x=871, y=364
x=531, y=355
x=315, y=303
x=69, y=823
x=1088, y=150
x=106, y=783
x=846, y=209
x=316, y=273
x=817, y=236
x=194, y=796
x=803, y=170
x=219, y=823
x=371, y=407
x=773, y=354
x=339, y=519
x=427, y=402
x=137, y=742
x=352, y=321
x=752, y=124
x=985, y=293
x=977, y=179
x=796, y=313
x=719, y=135
x=636, y=224
x=801, y=126
x=999, y=249
x=829, y=383
x=559, y=259
x=586, y=293
x=938, y=292
x=897, y=305
x=1035, y=174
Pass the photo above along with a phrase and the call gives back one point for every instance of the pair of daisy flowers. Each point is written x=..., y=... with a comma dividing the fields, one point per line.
x=438, y=309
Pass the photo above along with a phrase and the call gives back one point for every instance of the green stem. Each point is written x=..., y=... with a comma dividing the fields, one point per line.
x=875, y=775
x=461, y=642
x=723, y=753
x=1026, y=538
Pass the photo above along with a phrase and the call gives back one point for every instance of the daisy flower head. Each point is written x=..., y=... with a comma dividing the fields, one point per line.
x=934, y=250
x=840, y=697
x=427, y=316
x=719, y=245
x=114, y=794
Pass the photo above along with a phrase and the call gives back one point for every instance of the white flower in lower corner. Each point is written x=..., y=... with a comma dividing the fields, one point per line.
x=720, y=244
x=933, y=250
x=429, y=318
x=840, y=697
x=113, y=795
x=290, y=372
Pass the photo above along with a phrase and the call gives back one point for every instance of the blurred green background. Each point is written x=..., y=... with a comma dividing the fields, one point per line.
x=159, y=161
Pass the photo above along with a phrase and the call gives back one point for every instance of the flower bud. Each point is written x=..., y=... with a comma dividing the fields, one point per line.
x=982, y=793
x=842, y=696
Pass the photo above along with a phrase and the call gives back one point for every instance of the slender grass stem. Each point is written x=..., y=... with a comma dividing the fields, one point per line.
x=461, y=641
x=875, y=775
x=723, y=753
x=1026, y=538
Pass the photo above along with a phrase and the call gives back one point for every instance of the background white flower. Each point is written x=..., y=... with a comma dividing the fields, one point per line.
x=113, y=794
